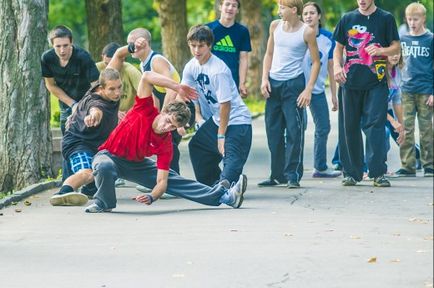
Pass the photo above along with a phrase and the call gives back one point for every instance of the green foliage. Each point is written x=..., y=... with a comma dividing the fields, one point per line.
x=71, y=13
x=256, y=106
x=55, y=112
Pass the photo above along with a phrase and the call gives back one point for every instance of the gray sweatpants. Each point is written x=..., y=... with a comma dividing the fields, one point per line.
x=107, y=168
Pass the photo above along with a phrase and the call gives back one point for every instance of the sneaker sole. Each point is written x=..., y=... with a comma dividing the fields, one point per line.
x=326, y=175
x=243, y=189
x=348, y=184
x=97, y=211
x=69, y=199
x=381, y=185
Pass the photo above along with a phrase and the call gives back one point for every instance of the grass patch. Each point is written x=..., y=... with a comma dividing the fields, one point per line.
x=55, y=111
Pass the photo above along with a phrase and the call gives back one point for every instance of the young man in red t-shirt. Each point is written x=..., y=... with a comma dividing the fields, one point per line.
x=145, y=132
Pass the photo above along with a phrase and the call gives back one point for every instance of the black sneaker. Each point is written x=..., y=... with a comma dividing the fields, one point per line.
x=381, y=181
x=349, y=181
x=428, y=172
x=293, y=184
x=270, y=182
x=404, y=173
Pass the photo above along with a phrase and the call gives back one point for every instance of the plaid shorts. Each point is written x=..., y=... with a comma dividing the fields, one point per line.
x=80, y=160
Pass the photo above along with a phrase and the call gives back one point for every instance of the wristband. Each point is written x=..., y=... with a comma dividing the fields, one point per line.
x=220, y=136
x=131, y=48
x=150, y=198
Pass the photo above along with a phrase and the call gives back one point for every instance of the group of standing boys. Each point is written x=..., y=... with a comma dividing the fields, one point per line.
x=300, y=56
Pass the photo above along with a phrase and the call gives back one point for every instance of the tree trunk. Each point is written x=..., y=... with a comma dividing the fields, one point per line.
x=104, y=24
x=173, y=19
x=251, y=17
x=25, y=139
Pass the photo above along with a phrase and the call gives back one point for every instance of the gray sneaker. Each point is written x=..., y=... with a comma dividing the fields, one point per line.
x=69, y=199
x=94, y=208
x=327, y=173
x=237, y=190
x=349, y=181
x=381, y=181
x=119, y=182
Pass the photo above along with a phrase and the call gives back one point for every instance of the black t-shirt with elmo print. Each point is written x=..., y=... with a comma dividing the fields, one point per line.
x=356, y=32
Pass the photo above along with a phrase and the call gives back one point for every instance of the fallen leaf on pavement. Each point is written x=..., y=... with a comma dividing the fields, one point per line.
x=372, y=260
x=27, y=203
x=18, y=210
x=418, y=220
x=395, y=260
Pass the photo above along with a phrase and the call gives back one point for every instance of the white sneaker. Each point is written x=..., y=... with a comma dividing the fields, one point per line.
x=237, y=190
x=94, y=208
x=119, y=182
x=68, y=199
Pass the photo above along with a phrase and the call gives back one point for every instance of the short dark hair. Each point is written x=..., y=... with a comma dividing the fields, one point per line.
x=110, y=49
x=108, y=74
x=201, y=33
x=180, y=110
x=60, y=31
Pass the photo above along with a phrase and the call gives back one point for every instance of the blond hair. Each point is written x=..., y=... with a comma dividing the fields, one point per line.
x=415, y=8
x=293, y=3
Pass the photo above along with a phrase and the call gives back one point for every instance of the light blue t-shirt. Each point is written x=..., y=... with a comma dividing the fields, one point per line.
x=214, y=83
x=326, y=46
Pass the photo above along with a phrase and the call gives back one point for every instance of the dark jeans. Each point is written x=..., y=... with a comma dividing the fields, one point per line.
x=321, y=118
x=285, y=127
x=205, y=156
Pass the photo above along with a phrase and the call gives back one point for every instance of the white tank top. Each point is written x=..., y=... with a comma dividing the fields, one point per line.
x=288, y=53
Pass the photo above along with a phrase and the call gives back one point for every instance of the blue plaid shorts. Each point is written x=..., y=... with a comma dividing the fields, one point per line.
x=80, y=160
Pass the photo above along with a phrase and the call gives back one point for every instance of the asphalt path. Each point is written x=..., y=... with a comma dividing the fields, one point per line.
x=321, y=235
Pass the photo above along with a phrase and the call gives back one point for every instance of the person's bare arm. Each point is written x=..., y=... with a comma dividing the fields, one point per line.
x=375, y=50
x=159, y=189
x=58, y=92
x=225, y=109
x=161, y=66
x=94, y=117
x=243, y=67
x=118, y=58
x=338, y=59
x=151, y=78
x=310, y=38
x=332, y=84
x=268, y=58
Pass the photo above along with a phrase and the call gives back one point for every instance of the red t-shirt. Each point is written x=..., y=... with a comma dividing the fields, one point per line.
x=133, y=139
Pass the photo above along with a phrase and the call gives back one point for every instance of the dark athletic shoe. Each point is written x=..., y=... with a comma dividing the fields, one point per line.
x=349, y=181
x=269, y=183
x=381, y=181
x=293, y=184
x=428, y=172
x=404, y=173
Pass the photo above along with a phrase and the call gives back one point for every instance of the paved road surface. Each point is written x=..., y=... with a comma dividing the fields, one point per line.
x=322, y=235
